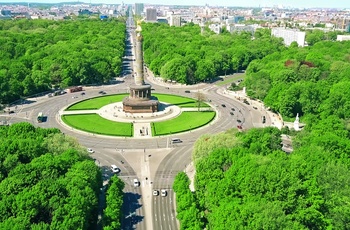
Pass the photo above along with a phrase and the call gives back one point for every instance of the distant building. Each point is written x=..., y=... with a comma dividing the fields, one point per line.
x=343, y=37
x=5, y=12
x=151, y=15
x=138, y=9
x=289, y=36
x=216, y=28
x=162, y=20
x=238, y=19
x=241, y=27
x=103, y=17
x=175, y=20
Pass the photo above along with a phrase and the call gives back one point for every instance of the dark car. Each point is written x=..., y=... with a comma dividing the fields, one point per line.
x=231, y=113
x=239, y=121
x=223, y=105
x=233, y=109
x=82, y=93
x=187, y=91
x=245, y=101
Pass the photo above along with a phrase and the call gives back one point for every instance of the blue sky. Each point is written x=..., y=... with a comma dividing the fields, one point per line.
x=245, y=3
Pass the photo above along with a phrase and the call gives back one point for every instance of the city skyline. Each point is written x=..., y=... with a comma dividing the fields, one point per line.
x=248, y=3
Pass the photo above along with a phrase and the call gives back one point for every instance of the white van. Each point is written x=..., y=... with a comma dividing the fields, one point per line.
x=136, y=183
x=176, y=140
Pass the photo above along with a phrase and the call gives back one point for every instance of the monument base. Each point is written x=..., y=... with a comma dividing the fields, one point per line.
x=132, y=105
x=140, y=100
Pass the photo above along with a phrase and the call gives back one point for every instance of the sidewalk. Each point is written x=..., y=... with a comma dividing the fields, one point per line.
x=190, y=170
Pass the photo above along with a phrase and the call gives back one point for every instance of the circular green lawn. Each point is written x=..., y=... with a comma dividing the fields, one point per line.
x=94, y=123
x=184, y=122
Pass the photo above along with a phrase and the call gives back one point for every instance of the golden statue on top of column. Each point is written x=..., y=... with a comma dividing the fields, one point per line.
x=138, y=28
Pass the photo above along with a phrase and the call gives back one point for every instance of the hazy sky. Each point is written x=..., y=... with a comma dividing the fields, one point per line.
x=255, y=3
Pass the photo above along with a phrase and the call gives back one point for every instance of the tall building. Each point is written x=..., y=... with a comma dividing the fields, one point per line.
x=151, y=15
x=175, y=20
x=289, y=36
x=138, y=9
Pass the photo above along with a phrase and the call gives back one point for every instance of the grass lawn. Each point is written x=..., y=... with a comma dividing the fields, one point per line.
x=97, y=102
x=93, y=123
x=185, y=122
x=183, y=102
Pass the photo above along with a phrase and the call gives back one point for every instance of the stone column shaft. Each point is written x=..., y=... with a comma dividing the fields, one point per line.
x=139, y=80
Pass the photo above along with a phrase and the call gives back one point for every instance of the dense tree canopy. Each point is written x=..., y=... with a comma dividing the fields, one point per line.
x=42, y=187
x=114, y=201
x=184, y=55
x=39, y=54
x=309, y=81
x=244, y=180
x=254, y=185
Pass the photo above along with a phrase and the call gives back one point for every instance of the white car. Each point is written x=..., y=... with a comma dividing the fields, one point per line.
x=155, y=193
x=136, y=183
x=90, y=150
x=115, y=169
x=164, y=192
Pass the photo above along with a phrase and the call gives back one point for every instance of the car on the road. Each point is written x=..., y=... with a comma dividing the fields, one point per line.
x=245, y=101
x=90, y=150
x=74, y=96
x=254, y=107
x=164, y=192
x=102, y=92
x=82, y=93
x=223, y=105
x=233, y=109
x=239, y=121
x=115, y=169
x=239, y=127
x=187, y=91
x=155, y=193
x=136, y=183
x=232, y=113
x=263, y=119
x=176, y=140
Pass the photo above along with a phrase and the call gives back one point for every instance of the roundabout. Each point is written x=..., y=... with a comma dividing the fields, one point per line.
x=141, y=155
x=112, y=120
